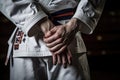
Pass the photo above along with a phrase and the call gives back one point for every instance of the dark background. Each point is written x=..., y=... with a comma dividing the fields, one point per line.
x=103, y=45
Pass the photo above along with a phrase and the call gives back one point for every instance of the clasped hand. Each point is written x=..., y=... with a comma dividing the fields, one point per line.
x=57, y=40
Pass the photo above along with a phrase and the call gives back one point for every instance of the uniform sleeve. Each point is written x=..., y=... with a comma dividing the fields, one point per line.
x=23, y=13
x=88, y=12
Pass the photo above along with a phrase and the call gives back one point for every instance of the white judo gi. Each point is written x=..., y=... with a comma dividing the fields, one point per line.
x=30, y=59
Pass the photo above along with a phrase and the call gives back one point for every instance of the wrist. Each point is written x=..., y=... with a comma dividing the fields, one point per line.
x=35, y=29
x=72, y=24
x=46, y=25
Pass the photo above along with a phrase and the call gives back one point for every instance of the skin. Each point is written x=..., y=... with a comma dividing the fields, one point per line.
x=56, y=42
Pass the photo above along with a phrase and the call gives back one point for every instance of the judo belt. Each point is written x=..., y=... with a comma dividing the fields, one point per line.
x=64, y=14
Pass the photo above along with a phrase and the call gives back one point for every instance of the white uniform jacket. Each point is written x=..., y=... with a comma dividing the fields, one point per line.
x=26, y=13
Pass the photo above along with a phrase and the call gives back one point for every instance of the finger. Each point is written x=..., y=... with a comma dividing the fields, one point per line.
x=56, y=47
x=60, y=50
x=64, y=60
x=53, y=30
x=59, y=59
x=69, y=57
x=58, y=41
x=54, y=59
x=52, y=38
x=49, y=33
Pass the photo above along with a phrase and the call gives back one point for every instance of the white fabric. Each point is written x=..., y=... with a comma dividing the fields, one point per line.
x=43, y=69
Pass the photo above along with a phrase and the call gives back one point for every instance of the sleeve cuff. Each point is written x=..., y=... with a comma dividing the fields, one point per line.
x=29, y=28
x=86, y=24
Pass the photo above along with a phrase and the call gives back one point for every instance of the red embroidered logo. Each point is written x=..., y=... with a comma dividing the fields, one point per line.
x=18, y=39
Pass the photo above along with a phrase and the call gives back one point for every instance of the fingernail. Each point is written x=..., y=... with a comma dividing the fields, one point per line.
x=64, y=65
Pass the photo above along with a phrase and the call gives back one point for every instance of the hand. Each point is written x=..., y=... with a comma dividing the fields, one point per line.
x=57, y=40
x=56, y=45
x=59, y=37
